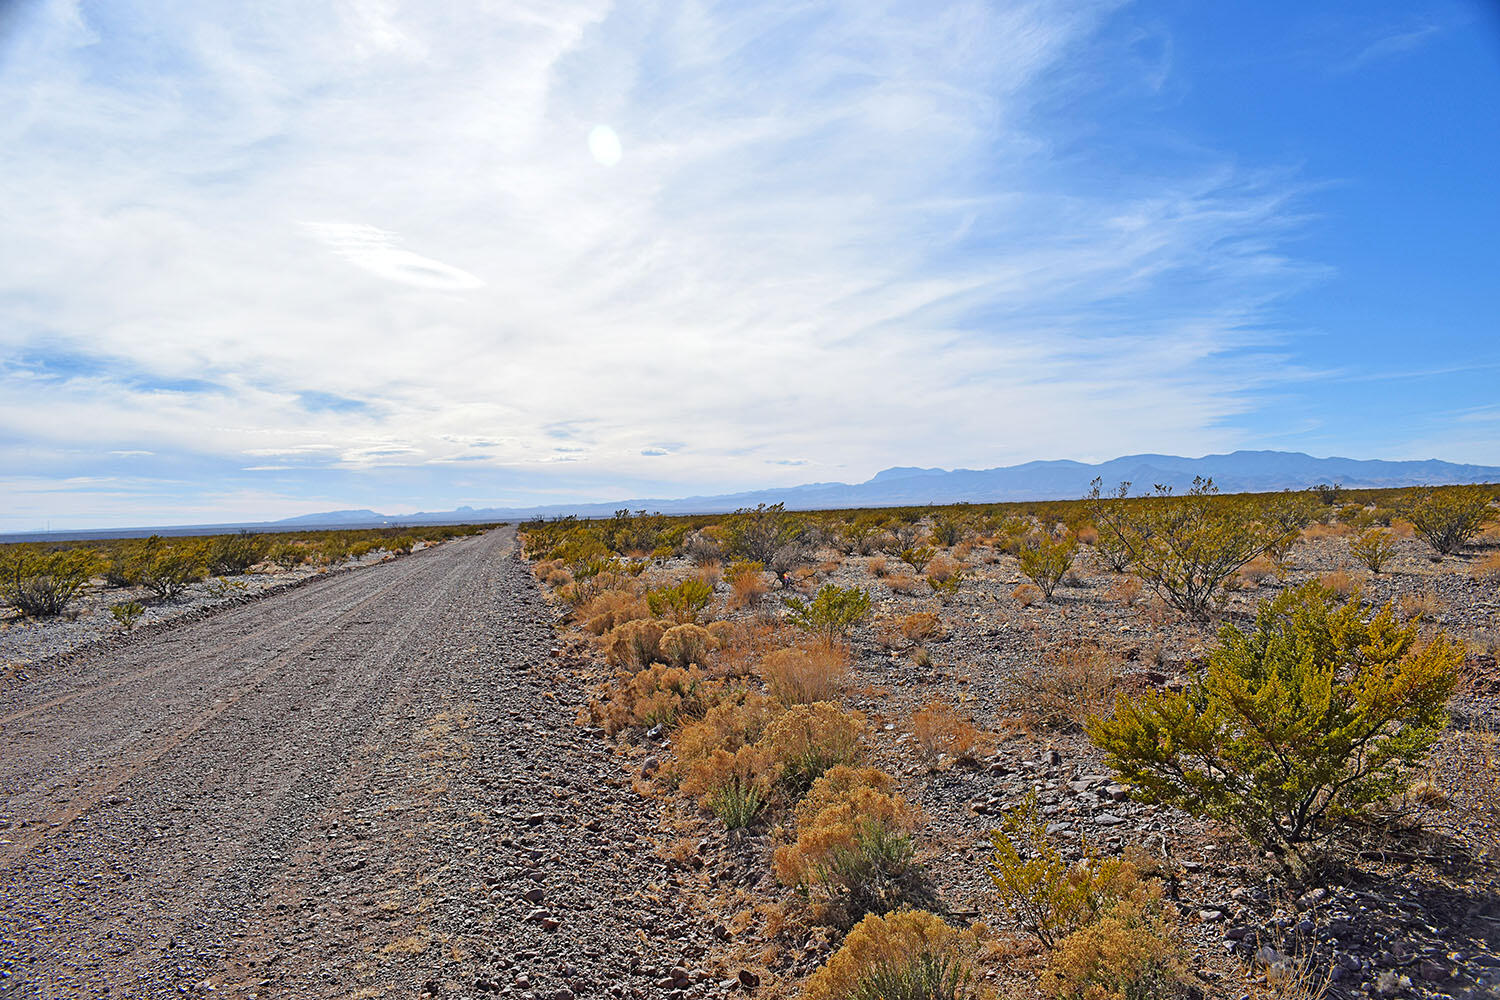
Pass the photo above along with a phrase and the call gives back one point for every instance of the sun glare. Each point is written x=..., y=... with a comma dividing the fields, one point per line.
x=605, y=145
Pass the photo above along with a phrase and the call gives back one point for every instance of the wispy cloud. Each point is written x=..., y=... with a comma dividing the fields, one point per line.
x=838, y=231
x=1392, y=43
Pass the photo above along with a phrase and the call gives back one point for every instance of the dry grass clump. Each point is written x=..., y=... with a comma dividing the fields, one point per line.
x=903, y=583
x=1126, y=590
x=806, y=674
x=1487, y=569
x=940, y=729
x=853, y=854
x=877, y=566
x=942, y=568
x=1026, y=594
x=1341, y=582
x=747, y=584
x=742, y=646
x=656, y=696
x=1317, y=531
x=1257, y=571
x=717, y=760
x=1070, y=684
x=911, y=955
x=916, y=627
x=1423, y=607
x=610, y=609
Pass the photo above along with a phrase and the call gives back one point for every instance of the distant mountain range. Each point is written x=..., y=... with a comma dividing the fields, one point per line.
x=1238, y=472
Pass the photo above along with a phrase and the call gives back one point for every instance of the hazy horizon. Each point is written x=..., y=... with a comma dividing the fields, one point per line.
x=262, y=262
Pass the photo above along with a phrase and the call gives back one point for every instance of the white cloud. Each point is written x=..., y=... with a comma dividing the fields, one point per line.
x=841, y=232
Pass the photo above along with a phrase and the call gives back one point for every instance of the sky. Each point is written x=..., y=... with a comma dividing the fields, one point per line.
x=258, y=260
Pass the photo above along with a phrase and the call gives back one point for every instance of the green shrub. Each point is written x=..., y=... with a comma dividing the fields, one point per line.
x=760, y=534
x=1044, y=559
x=126, y=614
x=1373, y=548
x=916, y=556
x=946, y=530
x=683, y=603
x=945, y=589
x=737, y=800
x=235, y=553
x=1449, y=517
x=832, y=613
x=40, y=584
x=166, y=568
x=1185, y=547
x=1306, y=720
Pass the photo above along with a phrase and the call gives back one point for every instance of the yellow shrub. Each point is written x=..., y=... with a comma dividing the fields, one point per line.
x=913, y=945
x=610, y=609
x=804, y=675
x=1129, y=952
x=853, y=854
x=727, y=726
x=635, y=644
x=681, y=645
x=807, y=740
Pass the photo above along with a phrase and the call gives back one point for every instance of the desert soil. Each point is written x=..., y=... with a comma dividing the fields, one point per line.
x=371, y=785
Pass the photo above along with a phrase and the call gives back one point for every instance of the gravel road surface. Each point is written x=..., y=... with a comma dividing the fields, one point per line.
x=369, y=786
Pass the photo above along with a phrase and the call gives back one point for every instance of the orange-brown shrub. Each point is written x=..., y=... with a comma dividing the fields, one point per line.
x=1317, y=531
x=1026, y=594
x=807, y=740
x=657, y=695
x=558, y=578
x=710, y=572
x=941, y=729
x=610, y=609
x=1088, y=535
x=903, y=583
x=853, y=853
x=634, y=644
x=748, y=584
x=1127, y=590
x=941, y=568
x=901, y=945
x=878, y=566
x=919, y=626
x=686, y=644
x=742, y=646
x=806, y=674
x=720, y=747
x=1258, y=571
x=1421, y=607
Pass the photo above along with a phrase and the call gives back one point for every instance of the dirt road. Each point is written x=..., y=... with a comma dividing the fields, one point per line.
x=366, y=786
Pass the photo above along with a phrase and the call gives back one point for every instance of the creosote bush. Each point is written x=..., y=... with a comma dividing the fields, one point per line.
x=41, y=584
x=1185, y=547
x=1448, y=517
x=830, y=615
x=1301, y=723
x=1373, y=548
x=126, y=614
x=683, y=603
x=1046, y=560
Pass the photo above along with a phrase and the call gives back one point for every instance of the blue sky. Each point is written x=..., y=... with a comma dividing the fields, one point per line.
x=260, y=260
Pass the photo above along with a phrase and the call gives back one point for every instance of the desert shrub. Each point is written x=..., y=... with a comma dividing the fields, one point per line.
x=702, y=546
x=767, y=535
x=905, y=583
x=941, y=729
x=634, y=644
x=915, y=556
x=910, y=955
x=1448, y=517
x=1128, y=952
x=40, y=584
x=1425, y=606
x=1047, y=896
x=683, y=603
x=611, y=609
x=1126, y=590
x=1257, y=571
x=1340, y=582
x=832, y=613
x=686, y=644
x=1071, y=683
x=1045, y=559
x=1185, y=547
x=853, y=854
x=944, y=576
x=917, y=626
x=235, y=553
x=804, y=675
x=947, y=530
x=1308, y=719
x=167, y=568
x=747, y=582
x=1373, y=548
x=806, y=740
x=656, y=696
x=126, y=614
x=402, y=545
x=728, y=725
x=877, y=566
x=1026, y=595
